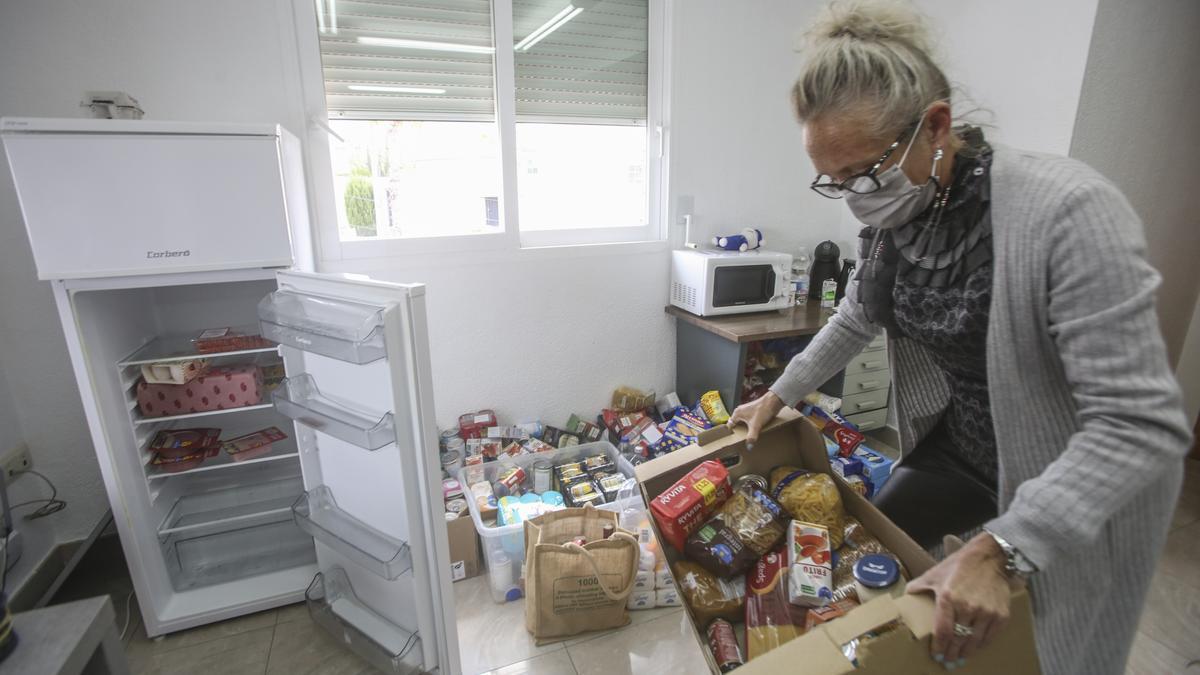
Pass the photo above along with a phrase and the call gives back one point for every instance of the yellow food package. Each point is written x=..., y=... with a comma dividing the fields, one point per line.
x=810, y=497
x=714, y=407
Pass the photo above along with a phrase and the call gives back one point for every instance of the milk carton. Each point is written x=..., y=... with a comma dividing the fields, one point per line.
x=810, y=565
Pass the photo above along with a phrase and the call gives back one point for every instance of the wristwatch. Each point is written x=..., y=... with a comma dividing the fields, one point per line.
x=1016, y=565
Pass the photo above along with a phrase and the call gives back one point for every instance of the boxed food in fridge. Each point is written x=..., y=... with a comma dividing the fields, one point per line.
x=220, y=388
x=790, y=440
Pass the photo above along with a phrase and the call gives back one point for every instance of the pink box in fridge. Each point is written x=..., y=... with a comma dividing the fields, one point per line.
x=221, y=388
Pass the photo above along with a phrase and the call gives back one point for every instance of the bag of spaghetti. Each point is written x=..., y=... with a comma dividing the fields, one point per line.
x=811, y=498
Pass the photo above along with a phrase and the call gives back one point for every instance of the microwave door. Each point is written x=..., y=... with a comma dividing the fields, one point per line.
x=743, y=285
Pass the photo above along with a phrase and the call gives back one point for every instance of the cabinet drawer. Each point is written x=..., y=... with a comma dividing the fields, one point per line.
x=871, y=400
x=880, y=342
x=867, y=421
x=859, y=383
x=867, y=362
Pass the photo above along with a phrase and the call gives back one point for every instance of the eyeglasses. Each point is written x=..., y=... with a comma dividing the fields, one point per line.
x=861, y=183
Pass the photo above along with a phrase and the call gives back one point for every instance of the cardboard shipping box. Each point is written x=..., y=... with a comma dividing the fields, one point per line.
x=790, y=439
x=465, y=558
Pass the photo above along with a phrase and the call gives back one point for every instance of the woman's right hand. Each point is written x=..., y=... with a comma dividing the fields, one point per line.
x=755, y=415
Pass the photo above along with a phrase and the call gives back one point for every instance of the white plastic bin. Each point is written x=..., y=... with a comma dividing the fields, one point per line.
x=504, y=547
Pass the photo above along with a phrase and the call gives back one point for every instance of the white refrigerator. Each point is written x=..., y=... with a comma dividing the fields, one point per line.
x=151, y=232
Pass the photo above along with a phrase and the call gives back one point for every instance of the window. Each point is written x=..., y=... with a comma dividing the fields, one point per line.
x=436, y=133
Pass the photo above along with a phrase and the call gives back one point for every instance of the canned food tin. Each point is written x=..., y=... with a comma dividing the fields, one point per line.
x=753, y=479
x=452, y=461
x=447, y=436
x=457, y=507
x=724, y=645
x=455, y=444
x=541, y=476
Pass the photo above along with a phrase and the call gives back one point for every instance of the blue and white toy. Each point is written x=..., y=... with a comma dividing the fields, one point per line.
x=748, y=240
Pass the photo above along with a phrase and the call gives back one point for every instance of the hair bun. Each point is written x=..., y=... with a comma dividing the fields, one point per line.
x=871, y=21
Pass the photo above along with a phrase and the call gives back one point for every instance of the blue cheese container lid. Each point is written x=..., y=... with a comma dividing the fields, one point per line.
x=877, y=571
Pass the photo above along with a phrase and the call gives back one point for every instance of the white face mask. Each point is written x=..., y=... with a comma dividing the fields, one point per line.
x=897, y=201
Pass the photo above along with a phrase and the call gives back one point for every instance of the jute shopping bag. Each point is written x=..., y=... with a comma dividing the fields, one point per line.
x=571, y=589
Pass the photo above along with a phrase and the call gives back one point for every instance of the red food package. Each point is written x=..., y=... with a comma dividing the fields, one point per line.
x=681, y=510
x=821, y=615
x=847, y=439
x=475, y=424
x=770, y=619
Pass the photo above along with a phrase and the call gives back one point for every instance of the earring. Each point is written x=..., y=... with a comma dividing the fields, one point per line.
x=937, y=154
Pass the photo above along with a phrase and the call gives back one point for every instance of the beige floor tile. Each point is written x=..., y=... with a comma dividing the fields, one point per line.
x=206, y=633
x=1172, y=615
x=635, y=619
x=1180, y=555
x=301, y=647
x=662, y=645
x=490, y=635
x=554, y=663
x=244, y=653
x=291, y=613
x=1151, y=657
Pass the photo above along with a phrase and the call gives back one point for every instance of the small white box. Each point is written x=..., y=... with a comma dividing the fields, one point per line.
x=667, y=597
x=644, y=581
x=663, y=578
x=641, y=600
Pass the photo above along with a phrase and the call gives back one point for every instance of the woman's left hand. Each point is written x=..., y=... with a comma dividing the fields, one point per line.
x=972, y=590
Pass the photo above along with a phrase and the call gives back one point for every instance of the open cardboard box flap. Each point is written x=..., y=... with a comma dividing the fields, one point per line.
x=790, y=439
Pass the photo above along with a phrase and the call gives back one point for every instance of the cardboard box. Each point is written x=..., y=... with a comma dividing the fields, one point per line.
x=790, y=439
x=465, y=558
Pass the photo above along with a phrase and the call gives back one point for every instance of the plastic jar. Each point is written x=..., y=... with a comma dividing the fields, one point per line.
x=876, y=575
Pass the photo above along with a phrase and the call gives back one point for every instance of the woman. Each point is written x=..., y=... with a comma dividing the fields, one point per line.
x=1031, y=382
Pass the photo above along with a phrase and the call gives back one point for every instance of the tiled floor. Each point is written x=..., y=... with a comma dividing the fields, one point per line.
x=493, y=637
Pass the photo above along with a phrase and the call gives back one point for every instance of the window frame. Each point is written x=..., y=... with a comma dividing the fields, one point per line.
x=331, y=249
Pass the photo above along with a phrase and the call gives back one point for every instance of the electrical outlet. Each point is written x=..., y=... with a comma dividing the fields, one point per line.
x=16, y=460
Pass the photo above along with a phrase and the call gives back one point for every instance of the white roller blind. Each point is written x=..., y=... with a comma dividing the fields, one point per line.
x=351, y=64
x=592, y=68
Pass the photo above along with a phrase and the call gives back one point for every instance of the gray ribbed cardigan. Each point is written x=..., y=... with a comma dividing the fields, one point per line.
x=1090, y=429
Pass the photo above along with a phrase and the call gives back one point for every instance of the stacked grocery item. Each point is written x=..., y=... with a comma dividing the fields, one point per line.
x=865, y=469
x=778, y=553
x=639, y=424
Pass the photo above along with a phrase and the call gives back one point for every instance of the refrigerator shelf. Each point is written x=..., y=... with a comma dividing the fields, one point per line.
x=168, y=348
x=213, y=511
x=333, y=605
x=299, y=398
x=139, y=419
x=279, y=450
x=317, y=513
x=267, y=543
x=339, y=329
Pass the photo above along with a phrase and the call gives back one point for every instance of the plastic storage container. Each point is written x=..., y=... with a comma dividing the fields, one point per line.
x=299, y=399
x=333, y=604
x=504, y=546
x=317, y=513
x=339, y=329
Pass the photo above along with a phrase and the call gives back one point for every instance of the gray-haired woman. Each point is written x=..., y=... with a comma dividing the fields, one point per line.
x=1031, y=382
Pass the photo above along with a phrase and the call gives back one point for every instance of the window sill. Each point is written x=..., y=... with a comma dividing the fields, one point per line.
x=467, y=257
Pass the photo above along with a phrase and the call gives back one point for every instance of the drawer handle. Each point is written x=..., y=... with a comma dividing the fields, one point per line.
x=871, y=384
x=871, y=365
x=866, y=405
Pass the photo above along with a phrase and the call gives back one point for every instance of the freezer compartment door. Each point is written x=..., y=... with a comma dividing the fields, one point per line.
x=114, y=204
x=359, y=389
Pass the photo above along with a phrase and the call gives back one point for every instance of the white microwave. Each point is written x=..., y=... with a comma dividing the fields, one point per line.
x=712, y=283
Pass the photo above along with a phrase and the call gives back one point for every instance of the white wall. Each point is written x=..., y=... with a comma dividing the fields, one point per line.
x=737, y=151
x=1137, y=125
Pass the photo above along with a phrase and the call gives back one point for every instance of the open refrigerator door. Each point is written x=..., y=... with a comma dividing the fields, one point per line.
x=359, y=390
